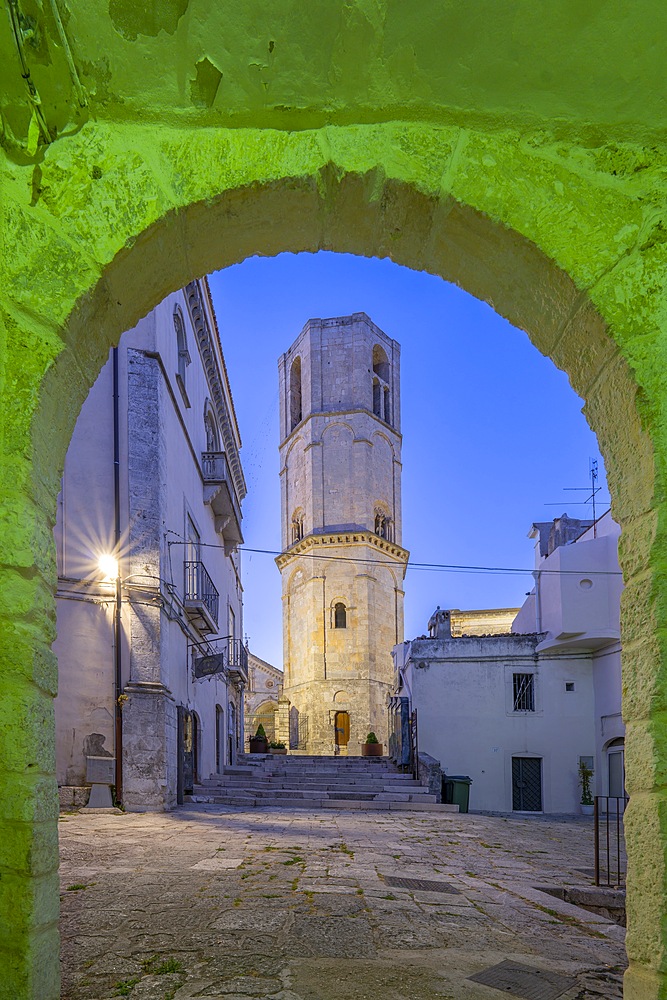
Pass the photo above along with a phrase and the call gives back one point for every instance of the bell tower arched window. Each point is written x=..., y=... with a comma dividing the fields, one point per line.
x=295, y=407
x=381, y=390
x=340, y=615
x=382, y=524
x=297, y=525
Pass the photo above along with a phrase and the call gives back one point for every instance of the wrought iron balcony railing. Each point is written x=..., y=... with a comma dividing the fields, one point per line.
x=201, y=597
x=224, y=655
x=237, y=660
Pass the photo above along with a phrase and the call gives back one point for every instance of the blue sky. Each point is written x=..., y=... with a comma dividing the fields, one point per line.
x=492, y=431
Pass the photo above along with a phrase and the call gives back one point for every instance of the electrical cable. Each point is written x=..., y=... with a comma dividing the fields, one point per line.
x=422, y=566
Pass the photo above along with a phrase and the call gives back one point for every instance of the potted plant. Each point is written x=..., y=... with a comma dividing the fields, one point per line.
x=259, y=742
x=372, y=747
x=585, y=775
x=276, y=747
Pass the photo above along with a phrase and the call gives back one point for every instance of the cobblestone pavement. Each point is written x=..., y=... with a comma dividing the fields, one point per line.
x=289, y=905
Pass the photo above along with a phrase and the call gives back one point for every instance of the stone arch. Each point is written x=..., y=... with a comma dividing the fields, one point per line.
x=580, y=272
x=266, y=715
x=336, y=424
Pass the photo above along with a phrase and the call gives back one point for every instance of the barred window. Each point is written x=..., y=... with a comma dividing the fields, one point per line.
x=523, y=691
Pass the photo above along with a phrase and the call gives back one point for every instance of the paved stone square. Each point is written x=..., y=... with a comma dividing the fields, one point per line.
x=216, y=903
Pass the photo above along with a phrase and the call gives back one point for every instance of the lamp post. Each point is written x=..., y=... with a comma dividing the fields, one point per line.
x=110, y=567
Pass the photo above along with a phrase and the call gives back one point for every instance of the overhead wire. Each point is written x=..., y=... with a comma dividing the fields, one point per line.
x=422, y=566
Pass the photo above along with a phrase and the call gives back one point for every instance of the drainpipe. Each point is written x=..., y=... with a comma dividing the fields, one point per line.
x=118, y=685
x=538, y=602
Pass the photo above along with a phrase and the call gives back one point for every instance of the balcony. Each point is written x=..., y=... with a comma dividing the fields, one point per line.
x=228, y=656
x=220, y=495
x=237, y=661
x=201, y=598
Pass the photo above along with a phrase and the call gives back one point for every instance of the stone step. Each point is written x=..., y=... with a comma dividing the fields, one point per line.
x=250, y=802
x=416, y=794
x=324, y=785
x=340, y=763
x=317, y=775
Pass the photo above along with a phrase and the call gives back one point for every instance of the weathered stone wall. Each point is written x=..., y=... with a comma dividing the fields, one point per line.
x=517, y=150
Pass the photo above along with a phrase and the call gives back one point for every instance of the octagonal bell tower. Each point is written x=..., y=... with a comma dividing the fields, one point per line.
x=342, y=563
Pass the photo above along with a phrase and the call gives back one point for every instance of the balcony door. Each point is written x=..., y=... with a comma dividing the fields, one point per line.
x=191, y=562
x=192, y=541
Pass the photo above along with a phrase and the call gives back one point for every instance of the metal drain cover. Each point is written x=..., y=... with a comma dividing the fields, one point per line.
x=524, y=981
x=420, y=884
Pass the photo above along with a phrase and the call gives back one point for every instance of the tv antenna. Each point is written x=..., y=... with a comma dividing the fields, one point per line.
x=592, y=490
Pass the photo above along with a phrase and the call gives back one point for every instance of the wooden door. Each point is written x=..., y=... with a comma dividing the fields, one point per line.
x=342, y=726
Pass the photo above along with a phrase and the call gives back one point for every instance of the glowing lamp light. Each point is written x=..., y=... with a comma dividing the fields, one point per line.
x=108, y=567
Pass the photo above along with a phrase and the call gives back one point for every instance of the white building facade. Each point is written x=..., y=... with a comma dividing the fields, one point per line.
x=152, y=665
x=576, y=604
x=517, y=712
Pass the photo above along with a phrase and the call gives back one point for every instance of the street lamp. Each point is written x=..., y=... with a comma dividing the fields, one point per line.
x=110, y=568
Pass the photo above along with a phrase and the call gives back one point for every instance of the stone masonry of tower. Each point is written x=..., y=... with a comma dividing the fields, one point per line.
x=342, y=563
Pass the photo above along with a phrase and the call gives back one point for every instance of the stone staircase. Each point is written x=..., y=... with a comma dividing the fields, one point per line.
x=308, y=782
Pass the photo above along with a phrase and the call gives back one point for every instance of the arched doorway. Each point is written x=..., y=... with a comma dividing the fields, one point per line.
x=219, y=738
x=541, y=199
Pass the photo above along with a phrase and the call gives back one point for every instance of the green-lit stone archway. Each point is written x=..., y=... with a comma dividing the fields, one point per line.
x=209, y=135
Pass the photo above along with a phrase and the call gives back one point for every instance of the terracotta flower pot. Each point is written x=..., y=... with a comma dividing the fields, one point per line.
x=277, y=750
x=371, y=750
x=258, y=745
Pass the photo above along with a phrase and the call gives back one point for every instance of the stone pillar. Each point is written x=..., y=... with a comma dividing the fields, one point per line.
x=282, y=721
x=29, y=889
x=149, y=748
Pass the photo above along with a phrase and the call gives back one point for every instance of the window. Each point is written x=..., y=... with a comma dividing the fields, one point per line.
x=297, y=525
x=183, y=353
x=380, y=363
x=340, y=615
x=381, y=401
x=212, y=435
x=569, y=685
x=296, y=410
x=523, y=693
x=382, y=524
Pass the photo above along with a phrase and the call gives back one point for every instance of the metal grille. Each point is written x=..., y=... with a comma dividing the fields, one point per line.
x=419, y=884
x=524, y=981
x=298, y=729
x=527, y=784
x=414, y=745
x=524, y=692
x=610, y=859
x=200, y=587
